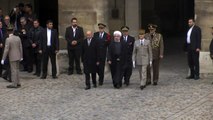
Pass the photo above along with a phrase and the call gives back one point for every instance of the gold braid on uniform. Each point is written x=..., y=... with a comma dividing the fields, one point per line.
x=156, y=42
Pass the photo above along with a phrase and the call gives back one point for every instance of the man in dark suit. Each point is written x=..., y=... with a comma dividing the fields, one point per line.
x=27, y=48
x=74, y=36
x=2, y=37
x=90, y=59
x=129, y=45
x=49, y=47
x=193, y=45
x=34, y=37
x=211, y=48
x=116, y=58
x=103, y=39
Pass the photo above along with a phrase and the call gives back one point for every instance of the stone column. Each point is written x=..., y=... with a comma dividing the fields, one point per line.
x=132, y=16
x=203, y=13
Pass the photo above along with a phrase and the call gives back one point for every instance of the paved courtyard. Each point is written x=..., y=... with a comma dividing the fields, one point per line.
x=175, y=98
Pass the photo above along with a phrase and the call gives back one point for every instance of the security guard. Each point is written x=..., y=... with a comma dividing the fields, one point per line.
x=157, y=52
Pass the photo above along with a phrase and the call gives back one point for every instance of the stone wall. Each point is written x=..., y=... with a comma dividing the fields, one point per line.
x=89, y=13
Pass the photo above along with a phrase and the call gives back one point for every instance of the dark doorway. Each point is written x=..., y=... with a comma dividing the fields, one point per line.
x=45, y=10
x=170, y=15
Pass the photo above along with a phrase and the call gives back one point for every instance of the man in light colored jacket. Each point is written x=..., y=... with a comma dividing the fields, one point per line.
x=142, y=57
x=13, y=49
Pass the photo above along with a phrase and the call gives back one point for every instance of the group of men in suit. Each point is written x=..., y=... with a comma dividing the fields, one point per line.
x=98, y=48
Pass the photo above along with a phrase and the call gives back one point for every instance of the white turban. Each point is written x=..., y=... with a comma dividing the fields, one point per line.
x=117, y=33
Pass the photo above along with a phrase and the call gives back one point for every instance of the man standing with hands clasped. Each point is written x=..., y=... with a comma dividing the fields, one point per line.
x=193, y=47
x=142, y=57
x=13, y=48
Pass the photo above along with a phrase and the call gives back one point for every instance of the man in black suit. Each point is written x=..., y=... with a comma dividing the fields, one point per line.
x=211, y=48
x=34, y=37
x=90, y=59
x=74, y=36
x=129, y=45
x=49, y=47
x=103, y=39
x=27, y=48
x=116, y=58
x=193, y=45
x=2, y=39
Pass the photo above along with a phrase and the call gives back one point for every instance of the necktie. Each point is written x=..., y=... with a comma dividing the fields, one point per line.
x=101, y=35
x=89, y=42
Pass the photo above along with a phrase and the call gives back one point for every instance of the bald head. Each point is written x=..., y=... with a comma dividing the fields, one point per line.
x=89, y=34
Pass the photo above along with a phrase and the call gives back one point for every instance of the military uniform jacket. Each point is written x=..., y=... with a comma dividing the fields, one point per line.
x=157, y=44
x=142, y=53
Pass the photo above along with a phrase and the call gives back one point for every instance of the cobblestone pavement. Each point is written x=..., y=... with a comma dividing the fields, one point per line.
x=175, y=98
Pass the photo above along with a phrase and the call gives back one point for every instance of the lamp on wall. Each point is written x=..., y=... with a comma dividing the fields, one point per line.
x=115, y=11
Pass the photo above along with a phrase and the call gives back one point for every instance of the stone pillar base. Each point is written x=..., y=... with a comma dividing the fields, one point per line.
x=206, y=64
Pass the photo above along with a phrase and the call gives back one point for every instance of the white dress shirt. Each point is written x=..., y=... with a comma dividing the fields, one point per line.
x=48, y=37
x=88, y=41
x=189, y=35
x=74, y=31
x=142, y=42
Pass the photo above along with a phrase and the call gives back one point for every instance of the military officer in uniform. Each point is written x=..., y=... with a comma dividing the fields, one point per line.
x=142, y=57
x=157, y=53
x=103, y=39
x=129, y=45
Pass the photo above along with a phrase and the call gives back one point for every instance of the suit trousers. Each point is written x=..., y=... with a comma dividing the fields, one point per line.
x=74, y=56
x=143, y=74
x=49, y=53
x=37, y=57
x=14, y=65
x=87, y=76
x=193, y=62
x=100, y=71
x=155, y=66
x=116, y=73
x=127, y=72
x=27, y=58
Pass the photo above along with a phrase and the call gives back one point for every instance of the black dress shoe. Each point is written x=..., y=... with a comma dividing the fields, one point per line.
x=148, y=83
x=196, y=78
x=55, y=77
x=142, y=87
x=155, y=83
x=87, y=88
x=30, y=71
x=12, y=86
x=80, y=73
x=70, y=73
x=100, y=83
x=35, y=74
x=5, y=78
x=18, y=85
x=43, y=77
x=190, y=77
x=95, y=86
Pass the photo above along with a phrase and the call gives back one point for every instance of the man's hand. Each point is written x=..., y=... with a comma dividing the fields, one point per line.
x=97, y=63
x=56, y=51
x=161, y=56
x=197, y=50
x=109, y=62
x=21, y=59
x=133, y=64
x=40, y=51
x=1, y=45
x=74, y=42
x=2, y=62
x=150, y=63
x=34, y=45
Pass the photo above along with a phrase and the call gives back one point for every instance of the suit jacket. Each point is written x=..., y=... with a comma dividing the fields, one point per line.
x=111, y=56
x=90, y=56
x=157, y=44
x=54, y=41
x=13, y=48
x=25, y=36
x=129, y=45
x=79, y=36
x=35, y=36
x=195, y=38
x=103, y=44
x=142, y=54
